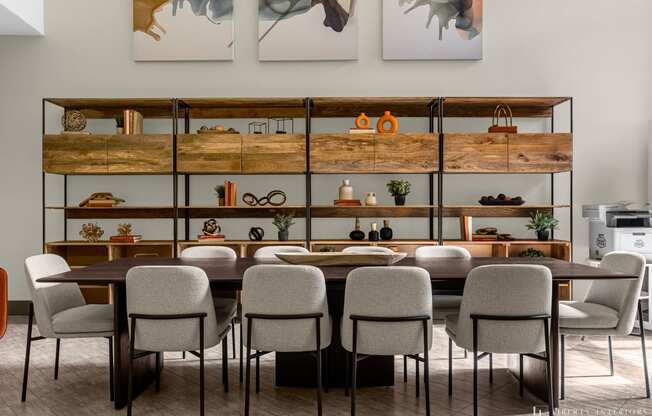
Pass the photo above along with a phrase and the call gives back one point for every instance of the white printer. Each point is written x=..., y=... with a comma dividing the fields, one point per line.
x=616, y=227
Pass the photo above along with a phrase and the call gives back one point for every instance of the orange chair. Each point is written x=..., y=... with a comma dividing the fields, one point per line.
x=4, y=301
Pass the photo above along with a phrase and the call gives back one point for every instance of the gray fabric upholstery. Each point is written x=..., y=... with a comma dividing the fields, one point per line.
x=388, y=292
x=504, y=290
x=285, y=290
x=367, y=250
x=269, y=252
x=209, y=252
x=50, y=298
x=163, y=290
x=444, y=305
x=587, y=315
x=450, y=252
x=593, y=315
x=84, y=320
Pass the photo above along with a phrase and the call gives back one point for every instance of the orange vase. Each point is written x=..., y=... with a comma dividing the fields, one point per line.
x=362, y=122
x=387, y=118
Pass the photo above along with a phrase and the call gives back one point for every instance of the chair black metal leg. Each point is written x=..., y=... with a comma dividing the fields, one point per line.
x=354, y=362
x=130, y=388
x=225, y=364
x=248, y=371
x=491, y=368
x=318, y=356
x=549, y=390
x=466, y=354
x=183, y=355
x=562, y=348
x=416, y=375
x=475, y=368
x=257, y=372
x=405, y=369
x=28, y=348
x=241, y=354
x=642, y=329
x=157, y=385
x=325, y=366
x=111, y=387
x=201, y=366
x=426, y=366
x=520, y=375
x=450, y=366
x=347, y=381
x=56, y=359
x=233, y=336
x=611, y=358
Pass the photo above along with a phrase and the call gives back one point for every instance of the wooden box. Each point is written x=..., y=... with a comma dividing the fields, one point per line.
x=482, y=152
x=209, y=153
x=409, y=152
x=274, y=153
x=542, y=153
x=342, y=153
x=140, y=153
x=75, y=154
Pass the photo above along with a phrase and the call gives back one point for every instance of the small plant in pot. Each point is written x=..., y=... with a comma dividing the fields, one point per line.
x=399, y=189
x=219, y=193
x=542, y=223
x=283, y=223
x=120, y=124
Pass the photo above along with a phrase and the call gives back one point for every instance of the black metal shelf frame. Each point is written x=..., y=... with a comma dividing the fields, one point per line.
x=435, y=113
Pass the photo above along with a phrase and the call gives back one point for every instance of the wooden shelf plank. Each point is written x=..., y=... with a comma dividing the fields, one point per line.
x=299, y=211
x=329, y=211
x=112, y=107
x=372, y=106
x=119, y=212
x=225, y=108
x=485, y=106
x=497, y=211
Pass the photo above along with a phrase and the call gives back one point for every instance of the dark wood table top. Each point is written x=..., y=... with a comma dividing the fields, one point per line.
x=230, y=272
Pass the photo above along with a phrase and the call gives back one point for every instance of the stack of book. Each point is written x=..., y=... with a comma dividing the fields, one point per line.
x=133, y=122
x=362, y=131
x=230, y=194
x=210, y=238
x=348, y=203
x=129, y=239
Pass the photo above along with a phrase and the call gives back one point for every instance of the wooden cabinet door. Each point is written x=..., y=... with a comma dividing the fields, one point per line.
x=274, y=153
x=410, y=152
x=75, y=154
x=483, y=152
x=209, y=153
x=342, y=153
x=140, y=153
x=544, y=153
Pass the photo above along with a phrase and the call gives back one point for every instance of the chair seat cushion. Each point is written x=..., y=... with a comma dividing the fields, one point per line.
x=583, y=315
x=90, y=320
x=451, y=325
x=225, y=308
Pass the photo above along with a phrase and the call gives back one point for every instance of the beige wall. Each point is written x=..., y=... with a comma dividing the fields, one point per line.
x=595, y=50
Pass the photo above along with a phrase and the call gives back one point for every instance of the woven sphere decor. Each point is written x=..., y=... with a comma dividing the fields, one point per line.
x=73, y=120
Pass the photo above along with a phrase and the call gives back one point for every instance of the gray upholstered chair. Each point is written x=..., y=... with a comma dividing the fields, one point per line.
x=367, y=250
x=170, y=308
x=225, y=307
x=506, y=310
x=270, y=252
x=609, y=309
x=387, y=311
x=61, y=312
x=285, y=310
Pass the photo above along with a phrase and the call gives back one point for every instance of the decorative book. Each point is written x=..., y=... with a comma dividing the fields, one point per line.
x=348, y=202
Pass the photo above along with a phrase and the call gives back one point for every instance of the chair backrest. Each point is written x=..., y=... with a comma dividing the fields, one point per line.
x=4, y=301
x=387, y=292
x=285, y=290
x=171, y=290
x=50, y=298
x=451, y=252
x=505, y=290
x=209, y=252
x=367, y=250
x=621, y=295
x=269, y=252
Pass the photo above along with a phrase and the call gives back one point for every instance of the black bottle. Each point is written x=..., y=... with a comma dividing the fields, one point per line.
x=386, y=233
x=374, y=235
x=357, y=234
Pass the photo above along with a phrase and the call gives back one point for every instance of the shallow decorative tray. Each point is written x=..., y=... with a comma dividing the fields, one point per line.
x=341, y=259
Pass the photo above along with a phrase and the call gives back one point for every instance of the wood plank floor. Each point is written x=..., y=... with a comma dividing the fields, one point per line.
x=82, y=388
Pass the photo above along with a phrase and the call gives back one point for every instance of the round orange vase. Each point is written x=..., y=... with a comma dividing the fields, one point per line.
x=387, y=118
x=362, y=122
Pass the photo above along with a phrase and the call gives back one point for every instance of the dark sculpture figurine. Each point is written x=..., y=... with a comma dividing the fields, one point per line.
x=256, y=234
x=211, y=228
x=274, y=198
x=386, y=233
x=357, y=234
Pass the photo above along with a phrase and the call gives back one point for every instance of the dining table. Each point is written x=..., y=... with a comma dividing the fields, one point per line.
x=298, y=369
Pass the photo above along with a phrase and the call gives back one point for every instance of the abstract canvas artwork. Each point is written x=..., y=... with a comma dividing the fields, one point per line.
x=307, y=30
x=432, y=29
x=183, y=30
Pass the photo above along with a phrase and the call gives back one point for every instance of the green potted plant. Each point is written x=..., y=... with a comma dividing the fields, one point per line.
x=219, y=193
x=120, y=124
x=398, y=189
x=283, y=223
x=542, y=223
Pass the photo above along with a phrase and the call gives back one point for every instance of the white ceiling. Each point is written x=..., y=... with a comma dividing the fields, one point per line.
x=21, y=17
